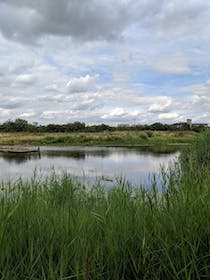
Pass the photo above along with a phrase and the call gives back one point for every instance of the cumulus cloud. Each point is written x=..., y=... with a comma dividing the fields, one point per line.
x=26, y=79
x=116, y=112
x=168, y=116
x=160, y=105
x=81, y=84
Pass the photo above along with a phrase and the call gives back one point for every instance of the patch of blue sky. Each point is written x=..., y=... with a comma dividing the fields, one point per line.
x=202, y=73
x=166, y=91
x=156, y=78
x=105, y=77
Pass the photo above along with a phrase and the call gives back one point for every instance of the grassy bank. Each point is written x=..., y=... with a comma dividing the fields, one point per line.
x=56, y=229
x=116, y=138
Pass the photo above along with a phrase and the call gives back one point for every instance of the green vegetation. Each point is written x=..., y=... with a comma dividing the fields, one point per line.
x=59, y=229
x=106, y=138
x=21, y=125
x=20, y=132
x=199, y=154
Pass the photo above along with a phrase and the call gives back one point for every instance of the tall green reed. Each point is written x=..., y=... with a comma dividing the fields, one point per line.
x=57, y=229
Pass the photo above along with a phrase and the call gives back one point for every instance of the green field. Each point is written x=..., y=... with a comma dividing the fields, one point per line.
x=115, y=138
x=60, y=229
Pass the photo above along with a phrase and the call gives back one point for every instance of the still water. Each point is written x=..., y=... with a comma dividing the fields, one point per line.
x=87, y=164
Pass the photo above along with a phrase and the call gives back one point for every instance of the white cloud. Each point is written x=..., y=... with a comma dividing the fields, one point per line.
x=168, y=116
x=52, y=87
x=199, y=89
x=50, y=115
x=177, y=18
x=27, y=115
x=81, y=84
x=26, y=79
x=116, y=112
x=5, y=112
x=160, y=104
x=199, y=101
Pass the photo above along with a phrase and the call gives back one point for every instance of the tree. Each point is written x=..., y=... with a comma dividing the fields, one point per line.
x=15, y=126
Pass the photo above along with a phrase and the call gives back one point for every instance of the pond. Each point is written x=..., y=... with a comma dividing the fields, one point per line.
x=88, y=164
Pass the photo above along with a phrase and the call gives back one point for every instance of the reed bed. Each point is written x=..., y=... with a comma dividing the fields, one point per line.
x=58, y=228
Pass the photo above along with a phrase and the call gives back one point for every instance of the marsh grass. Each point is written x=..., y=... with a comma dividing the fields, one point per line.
x=59, y=229
x=126, y=138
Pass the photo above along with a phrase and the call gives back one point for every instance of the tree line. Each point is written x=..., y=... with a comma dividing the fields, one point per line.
x=21, y=125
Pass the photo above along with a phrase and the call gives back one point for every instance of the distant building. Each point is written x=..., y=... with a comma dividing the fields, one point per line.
x=181, y=125
x=204, y=125
x=190, y=125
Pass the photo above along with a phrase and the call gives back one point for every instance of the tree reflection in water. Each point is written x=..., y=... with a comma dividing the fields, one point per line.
x=19, y=158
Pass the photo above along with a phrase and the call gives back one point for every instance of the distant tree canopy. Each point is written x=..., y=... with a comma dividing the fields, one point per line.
x=21, y=125
x=17, y=125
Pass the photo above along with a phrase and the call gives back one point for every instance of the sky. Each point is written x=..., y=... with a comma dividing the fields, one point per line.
x=112, y=62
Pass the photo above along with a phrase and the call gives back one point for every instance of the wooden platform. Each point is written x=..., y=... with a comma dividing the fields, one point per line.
x=18, y=150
